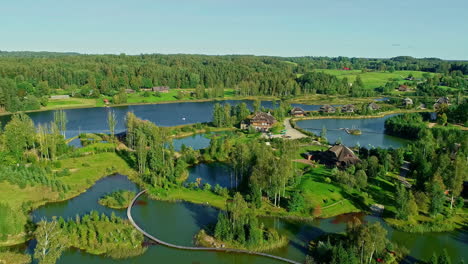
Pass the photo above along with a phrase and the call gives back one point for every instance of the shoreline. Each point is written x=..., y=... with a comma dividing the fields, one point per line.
x=298, y=100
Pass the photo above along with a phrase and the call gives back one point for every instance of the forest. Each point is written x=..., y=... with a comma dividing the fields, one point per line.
x=28, y=79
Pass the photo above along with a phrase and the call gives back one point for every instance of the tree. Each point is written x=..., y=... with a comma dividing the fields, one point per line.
x=323, y=133
x=111, y=122
x=370, y=239
x=50, y=242
x=19, y=134
x=60, y=120
x=437, y=198
x=361, y=179
x=256, y=105
x=455, y=183
x=296, y=203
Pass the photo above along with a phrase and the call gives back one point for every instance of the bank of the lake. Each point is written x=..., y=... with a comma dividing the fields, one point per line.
x=178, y=222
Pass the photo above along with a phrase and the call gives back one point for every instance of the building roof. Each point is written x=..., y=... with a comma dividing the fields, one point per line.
x=160, y=88
x=263, y=117
x=327, y=108
x=344, y=154
x=443, y=100
x=347, y=108
x=374, y=106
x=408, y=100
x=297, y=110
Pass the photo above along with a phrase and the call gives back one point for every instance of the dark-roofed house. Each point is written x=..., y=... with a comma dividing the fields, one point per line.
x=342, y=156
x=407, y=101
x=262, y=121
x=349, y=108
x=373, y=106
x=161, y=89
x=298, y=112
x=327, y=109
x=441, y=101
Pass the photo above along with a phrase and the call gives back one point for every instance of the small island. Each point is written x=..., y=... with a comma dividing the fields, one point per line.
x=117, y=200
x=239, y=228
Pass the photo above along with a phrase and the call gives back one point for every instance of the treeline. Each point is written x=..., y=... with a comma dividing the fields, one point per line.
x=401, y=63
x=405, y=125
x=94, y=233
x=27, y=80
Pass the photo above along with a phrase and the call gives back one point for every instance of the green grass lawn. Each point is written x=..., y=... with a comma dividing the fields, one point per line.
x=70, y=103
x=373, y=79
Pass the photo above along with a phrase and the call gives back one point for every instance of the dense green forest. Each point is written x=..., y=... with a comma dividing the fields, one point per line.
x=28, y=78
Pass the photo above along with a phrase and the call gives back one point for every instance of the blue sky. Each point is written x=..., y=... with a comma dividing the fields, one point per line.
x=355, y=28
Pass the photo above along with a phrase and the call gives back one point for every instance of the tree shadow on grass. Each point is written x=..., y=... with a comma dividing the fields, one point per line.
x=128, y=158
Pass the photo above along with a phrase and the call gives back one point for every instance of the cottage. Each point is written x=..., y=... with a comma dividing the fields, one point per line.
x=161, y=89
x=327, y=109
x=403, y=88
x=298, y=112
x=129, y=91
x=106, y=101
x=342, y=156
x=407, y=101
x=349, y=108
x=373, y=106
x=262, y=121
x=59, y=97
x=441, y=101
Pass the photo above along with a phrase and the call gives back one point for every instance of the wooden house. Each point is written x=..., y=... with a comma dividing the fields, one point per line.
x=327, y=109
x=298, y=112
x=349, y=108
x=441, y=101
x=403, y=88
x=262, y=121
x=342, y=156
x=373, y=106
x=161, y=89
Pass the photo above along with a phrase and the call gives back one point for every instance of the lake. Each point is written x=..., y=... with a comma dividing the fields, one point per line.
x=179, y=222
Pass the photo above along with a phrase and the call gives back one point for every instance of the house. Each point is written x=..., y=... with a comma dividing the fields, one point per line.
x=298, y=112
x=409, y=78
x=161, y=89
x=346, y=69
x=59, y=97
x=441, y=101
x=349, y=108
x=342, y=156
x=129, y=91
x=373, y=106
x=327, y=109
x=403, y=88
x=106, y=101
x=262, y=121
x=407, y=101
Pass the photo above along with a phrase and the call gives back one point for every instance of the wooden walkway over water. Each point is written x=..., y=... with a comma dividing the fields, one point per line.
x=227, y=250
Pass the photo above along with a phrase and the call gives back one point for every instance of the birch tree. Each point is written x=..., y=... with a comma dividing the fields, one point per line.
x=50, y=242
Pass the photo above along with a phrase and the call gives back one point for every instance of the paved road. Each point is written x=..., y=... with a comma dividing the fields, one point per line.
x=229, y=250
x=291, y=133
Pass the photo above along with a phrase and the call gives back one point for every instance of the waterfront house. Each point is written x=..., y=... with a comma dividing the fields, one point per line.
x=373, y=106
x=161, y=89
x=349, y=108
x=262, y=121
x=407, y=101
x=298, y=112
x=327, y=109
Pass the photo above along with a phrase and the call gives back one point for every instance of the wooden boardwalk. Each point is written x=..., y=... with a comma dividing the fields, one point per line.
x=228, y=250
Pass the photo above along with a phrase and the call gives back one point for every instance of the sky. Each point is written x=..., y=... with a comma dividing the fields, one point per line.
x=352, y=28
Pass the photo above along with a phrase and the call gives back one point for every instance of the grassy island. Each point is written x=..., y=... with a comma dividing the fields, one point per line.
x=118, y=199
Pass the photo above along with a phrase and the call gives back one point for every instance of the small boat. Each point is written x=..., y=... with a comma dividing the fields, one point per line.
x=183, y=118
x=353, y=131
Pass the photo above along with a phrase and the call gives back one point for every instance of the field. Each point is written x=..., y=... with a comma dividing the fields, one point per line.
x=373, y=80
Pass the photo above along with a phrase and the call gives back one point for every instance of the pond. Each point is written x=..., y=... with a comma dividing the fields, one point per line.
x=213, y=173
x=179, y=222
x=372, y=131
